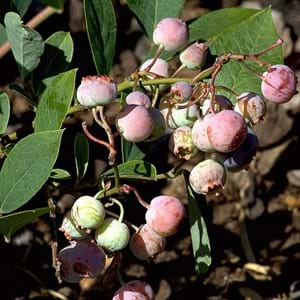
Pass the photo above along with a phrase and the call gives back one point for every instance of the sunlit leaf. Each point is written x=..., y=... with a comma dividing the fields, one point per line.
x=27, y=167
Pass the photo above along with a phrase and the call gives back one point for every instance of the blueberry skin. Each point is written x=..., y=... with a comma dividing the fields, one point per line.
x=241, y=157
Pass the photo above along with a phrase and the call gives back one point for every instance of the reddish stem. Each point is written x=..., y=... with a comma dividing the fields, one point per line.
x=125, y=188
x=94, y=139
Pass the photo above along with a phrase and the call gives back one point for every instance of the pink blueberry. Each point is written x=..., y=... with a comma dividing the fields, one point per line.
x=194, y=56
x=207, y=176
x=134, y=290
x=165, y=214
x=96, y=90
x=226, y=130
x=279, y=84
x=134, y=123
x=171, y=33
x=146, y=243
x=199, y=135
x=181, y=91
x=251, y=106
x=138, y=98
x=160, y=67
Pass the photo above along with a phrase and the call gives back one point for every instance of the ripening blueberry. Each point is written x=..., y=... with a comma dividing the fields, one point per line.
x=279, y=84
x=177, y=117
x=241, y=157
x=134, y=290
x=194, y=56
x=171, y=34
x=160, y=67
x=70, y=230
x=134, y=123
x=181, y=143
x=81, y=259
x=207, y=176
x=226, y=130
x=251, y=106
x=199, y=134
x=96, y=90
x=87, y=213
x=165, y=214
x=181, y=91
x=222, y=102
x=112, y=235
x=159, y=125
x=138, y=98
x=146, y=243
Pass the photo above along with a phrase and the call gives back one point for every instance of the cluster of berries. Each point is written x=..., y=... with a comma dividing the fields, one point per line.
x=195, y=119
x=93, y=236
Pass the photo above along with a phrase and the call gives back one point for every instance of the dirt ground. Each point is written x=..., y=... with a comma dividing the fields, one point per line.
x=254, y=224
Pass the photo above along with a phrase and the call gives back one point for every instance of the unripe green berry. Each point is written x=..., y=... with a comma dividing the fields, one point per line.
x=112, y=235
x=177, y=117
x=88, y=213
x=70, y=230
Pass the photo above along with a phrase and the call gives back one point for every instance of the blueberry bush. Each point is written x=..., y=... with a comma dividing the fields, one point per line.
x=205, y=120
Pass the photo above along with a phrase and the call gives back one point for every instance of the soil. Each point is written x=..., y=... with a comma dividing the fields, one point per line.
x=253, y=225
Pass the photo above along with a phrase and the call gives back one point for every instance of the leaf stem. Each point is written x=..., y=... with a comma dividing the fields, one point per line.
x=121, y=216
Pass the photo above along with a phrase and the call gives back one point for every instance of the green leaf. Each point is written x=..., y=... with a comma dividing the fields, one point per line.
x=102, y=32
x=199, y=235
x=13, y=222
x=150, y=12
x=21, y=91
x=21, y=6
x=3, y=36
x=4, y=112
x=26, y=44
x=59, y=4
x=57, y=56
x=81, y=151
x=131, y=151
x=27, y=167
x=244, y=36
x=222, y=20
x=134, y=169
x=60, y=174
x=55, y=102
